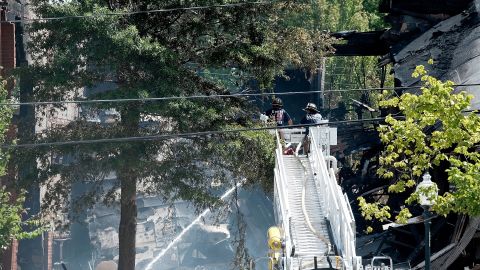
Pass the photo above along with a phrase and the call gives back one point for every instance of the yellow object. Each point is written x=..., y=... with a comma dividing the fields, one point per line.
x=274, y=238
x=274, y=235
x=273, y=258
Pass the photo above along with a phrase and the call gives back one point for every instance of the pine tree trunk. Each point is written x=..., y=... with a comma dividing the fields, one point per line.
x=128, y=199
x=128, y=223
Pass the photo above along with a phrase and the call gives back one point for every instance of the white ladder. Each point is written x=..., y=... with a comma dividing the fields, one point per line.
x=307, y=245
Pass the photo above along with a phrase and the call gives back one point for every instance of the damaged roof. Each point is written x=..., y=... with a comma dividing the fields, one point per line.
x=454, y=45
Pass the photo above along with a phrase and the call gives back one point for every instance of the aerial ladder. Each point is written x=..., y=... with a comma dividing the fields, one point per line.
x=315, y=227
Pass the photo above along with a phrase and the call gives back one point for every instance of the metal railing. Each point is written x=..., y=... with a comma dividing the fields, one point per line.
x=281, y=203
x=308, y=262
x=338, y=211
x=337, y=208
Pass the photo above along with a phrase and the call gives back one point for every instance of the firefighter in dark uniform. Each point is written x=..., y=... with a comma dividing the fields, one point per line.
x=278, y=114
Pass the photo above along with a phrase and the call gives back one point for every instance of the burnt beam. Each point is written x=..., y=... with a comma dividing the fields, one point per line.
x=354, y=43
x=451, y=7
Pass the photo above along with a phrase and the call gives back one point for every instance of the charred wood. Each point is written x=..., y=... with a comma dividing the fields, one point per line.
x=451, y=7
x=447, y=259
x=360, y=43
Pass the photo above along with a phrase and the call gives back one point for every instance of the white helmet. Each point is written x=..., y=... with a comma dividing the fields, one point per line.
x=311, y=107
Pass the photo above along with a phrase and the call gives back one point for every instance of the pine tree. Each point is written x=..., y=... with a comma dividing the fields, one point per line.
x=159, y=55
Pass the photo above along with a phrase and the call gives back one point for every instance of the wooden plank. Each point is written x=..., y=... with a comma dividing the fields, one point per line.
x=445, y=260
x=435, y=256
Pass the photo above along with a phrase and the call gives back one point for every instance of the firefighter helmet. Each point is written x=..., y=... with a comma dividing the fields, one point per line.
x=311, y=107
x=277, y=103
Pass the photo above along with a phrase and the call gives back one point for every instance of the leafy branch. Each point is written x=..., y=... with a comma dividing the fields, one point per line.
x=438, y=128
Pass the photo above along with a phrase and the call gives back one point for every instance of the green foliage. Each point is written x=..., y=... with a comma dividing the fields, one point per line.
x=375, y=19
x=339, y=15
x=371, y=211
x=159, y=55
x=11, y=207
x=346, y=72
x=403, y=216
x=438, y=128
x=11, y=224
x=5, y=121
x=257, y=168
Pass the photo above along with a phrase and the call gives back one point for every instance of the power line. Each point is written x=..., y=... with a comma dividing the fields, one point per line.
x=225, y=74
x=181, y=135
x=143, y=11
x=119, y=100
x=164, y=98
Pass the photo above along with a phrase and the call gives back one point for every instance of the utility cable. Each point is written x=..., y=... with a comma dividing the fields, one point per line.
x=119, y=100
x=95, y=15
x=179, y=135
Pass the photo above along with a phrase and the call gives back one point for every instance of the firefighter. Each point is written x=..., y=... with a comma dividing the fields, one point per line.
x=280, y=117
x=312, y=116
x=278, y=114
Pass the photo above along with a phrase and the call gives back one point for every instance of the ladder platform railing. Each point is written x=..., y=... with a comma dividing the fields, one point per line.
x=338, y=211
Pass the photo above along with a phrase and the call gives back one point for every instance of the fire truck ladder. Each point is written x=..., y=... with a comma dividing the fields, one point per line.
x=316, y=221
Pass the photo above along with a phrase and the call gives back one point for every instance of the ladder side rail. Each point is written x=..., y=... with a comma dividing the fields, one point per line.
x=281, y=185
x=332, y=205
x=338, y=212
x=347, y=222
x=278, y=199
x=356, y=260
x=324, y=188
x=282, y=175
x=350, y=211
x=353, y=227
x=282, y=216
x=319, y=165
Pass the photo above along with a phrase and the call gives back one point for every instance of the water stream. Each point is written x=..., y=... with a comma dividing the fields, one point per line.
x=186, y=229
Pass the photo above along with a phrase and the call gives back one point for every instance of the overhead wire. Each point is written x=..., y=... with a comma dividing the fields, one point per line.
x=94, y=15
x=181, y=135
x=170, y=98
x=119, y=100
